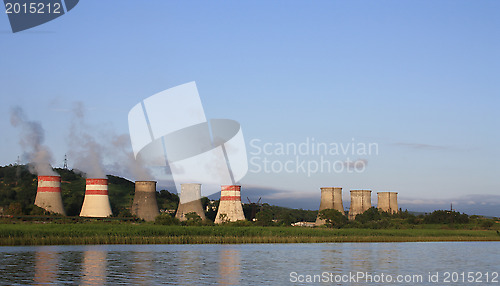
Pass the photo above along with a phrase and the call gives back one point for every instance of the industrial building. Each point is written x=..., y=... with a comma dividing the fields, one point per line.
x=230, y=208
x=388, y=202
x=144, y=205
x=360, y=202
x=190, y=202
x=331, y=198
x=96, y=201
x=48, y=194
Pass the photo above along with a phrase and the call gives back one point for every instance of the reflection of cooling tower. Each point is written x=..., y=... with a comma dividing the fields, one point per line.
x=145, y=206
x=361, y=200
x=48, y=194
x=388, y=202
x=94, y=267
x=230, y=208
x=331, y=198
x=190, y=201
x=229, y=267
x=46, y=267
x=96, y=201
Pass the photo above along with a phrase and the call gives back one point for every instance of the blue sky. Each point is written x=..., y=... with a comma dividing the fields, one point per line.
x=419, y=78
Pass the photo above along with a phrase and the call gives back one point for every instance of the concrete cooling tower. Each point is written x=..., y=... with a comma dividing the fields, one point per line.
x=230, y=208
x=48, y=194
x=331, y=198
x=360, y=202
x=145, y=206
x=388, y=202
x=190, y=201
x=96, y=201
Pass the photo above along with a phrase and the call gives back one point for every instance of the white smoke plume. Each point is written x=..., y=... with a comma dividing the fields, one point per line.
x=85, y=151
x=31, y=141
x=105, y=153
x=124, y=161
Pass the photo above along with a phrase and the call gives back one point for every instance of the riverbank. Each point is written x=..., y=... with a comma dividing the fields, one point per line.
x=130, y=233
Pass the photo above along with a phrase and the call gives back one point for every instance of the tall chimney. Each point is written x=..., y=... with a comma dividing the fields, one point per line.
x=331, y=198
x=96, y=201
x=360, y=202
x=48, y=194
x=190, y=201
x=230, y=208
x=145, y=206
x=388, y=202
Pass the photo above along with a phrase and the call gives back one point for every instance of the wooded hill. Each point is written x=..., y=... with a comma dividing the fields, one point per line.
x=18, y=190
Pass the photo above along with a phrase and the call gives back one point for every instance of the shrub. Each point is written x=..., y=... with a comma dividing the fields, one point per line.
x=166, y=219
x=192, y=218
x=487, y=223
x=333, y=218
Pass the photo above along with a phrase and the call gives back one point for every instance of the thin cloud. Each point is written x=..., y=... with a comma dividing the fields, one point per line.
x=420, y=146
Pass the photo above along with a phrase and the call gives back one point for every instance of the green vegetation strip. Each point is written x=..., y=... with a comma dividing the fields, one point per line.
x=128, y=233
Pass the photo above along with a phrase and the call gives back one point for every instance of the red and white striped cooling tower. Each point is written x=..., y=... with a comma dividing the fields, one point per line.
x=230, y=208
x=96, y=202
x=48, y=194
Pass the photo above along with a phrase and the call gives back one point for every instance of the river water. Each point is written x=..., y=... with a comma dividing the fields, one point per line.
x=410, y=263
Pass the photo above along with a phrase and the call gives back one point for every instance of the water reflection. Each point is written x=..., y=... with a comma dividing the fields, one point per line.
x=94, y=267
x=229, y=267
x=46, y=267
x=17, y=268
x=362, y=258
x=190, y=265
x=265, y=264
x=387, y=258
x=331, y=259
x=143, y=265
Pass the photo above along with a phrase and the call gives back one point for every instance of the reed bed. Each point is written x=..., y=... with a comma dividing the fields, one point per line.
x=128, y=233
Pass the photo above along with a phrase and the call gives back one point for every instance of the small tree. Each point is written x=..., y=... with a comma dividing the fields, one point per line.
x=166, y=219
x=223, y=218
x=487, y=223
x=371, y=214
x=333, y=218
x=15, y=208
x=264, y=218
x=193, y=218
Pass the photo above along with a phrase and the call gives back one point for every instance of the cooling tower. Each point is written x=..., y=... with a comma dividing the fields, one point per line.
x=190, y=201
x=331, y=198
x=48, y=194
x=145, y=206
x=360, y=202
x=388, y=202
x=230, y=208
x=96, y=201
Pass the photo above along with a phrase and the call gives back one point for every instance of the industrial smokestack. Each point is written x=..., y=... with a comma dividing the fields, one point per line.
x=230, y=208
x=145, y=206
x=96, y=201
x=388, y=202
x=361, y=200
x=331, y=198
x=190, y=201
x=48, y=194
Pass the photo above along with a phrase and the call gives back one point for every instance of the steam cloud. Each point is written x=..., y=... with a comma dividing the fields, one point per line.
x=111, y=152
x=125, y=163
x=31, y=141
x=84, y=149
